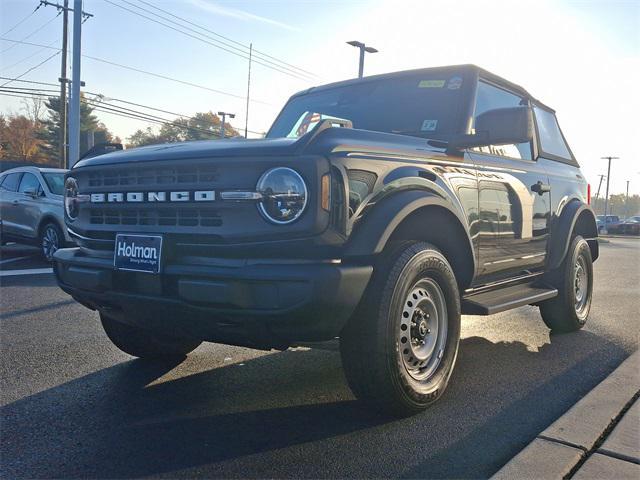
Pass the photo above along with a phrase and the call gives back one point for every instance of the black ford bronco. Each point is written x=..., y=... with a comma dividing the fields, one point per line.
x=376, y=210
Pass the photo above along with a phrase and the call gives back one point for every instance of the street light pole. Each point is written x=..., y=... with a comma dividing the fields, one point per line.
x=246, y=116
x=224, y=116
x=606, y=198
x=363, y=48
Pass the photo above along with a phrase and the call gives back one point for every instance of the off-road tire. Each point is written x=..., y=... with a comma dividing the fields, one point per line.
x=144, y=343
x=564, y=313
x=50, y=239
x=373, y=356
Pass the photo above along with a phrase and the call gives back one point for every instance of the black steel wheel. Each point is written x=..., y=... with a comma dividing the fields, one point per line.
x=574, y=280
x=399, y=349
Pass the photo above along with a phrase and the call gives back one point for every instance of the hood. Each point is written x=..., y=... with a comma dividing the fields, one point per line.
x=326, y=142
x=232, y=147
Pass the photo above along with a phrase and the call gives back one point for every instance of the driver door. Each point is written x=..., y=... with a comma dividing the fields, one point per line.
x=514, y=211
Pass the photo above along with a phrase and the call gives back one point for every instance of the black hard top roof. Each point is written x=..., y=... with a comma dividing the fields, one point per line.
x=451, y=69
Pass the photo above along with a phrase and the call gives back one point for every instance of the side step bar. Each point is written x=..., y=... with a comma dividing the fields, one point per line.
x=494, y=301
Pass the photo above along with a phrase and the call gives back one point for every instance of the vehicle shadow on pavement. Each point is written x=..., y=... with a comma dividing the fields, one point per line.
x=538, y=388
x=126, y=421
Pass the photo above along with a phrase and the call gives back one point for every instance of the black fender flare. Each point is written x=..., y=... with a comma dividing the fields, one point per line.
x=565, y=224
x=375, y=229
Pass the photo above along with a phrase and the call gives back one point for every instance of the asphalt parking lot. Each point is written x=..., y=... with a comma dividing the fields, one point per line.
x=73, y=405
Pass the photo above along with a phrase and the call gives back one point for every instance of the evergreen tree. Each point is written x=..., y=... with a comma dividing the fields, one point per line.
x=50, y=134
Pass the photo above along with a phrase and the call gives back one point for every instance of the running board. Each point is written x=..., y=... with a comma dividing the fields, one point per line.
x=494, y=301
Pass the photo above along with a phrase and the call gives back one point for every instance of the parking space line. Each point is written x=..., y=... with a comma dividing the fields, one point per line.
x=29, y=271
x=9, y=260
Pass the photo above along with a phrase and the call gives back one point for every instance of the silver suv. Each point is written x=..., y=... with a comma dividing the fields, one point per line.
x=31, y=208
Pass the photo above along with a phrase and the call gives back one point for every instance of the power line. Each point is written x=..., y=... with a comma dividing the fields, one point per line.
x=278, y=69
x=157, y=75
x=120, y=111
x=165, y=77
x=29, y=56
x=111, y=99
x=245, y=47
x=28, y=81
x=31, y=34
x=243, y=54
x=27, y=89
x=101, y=101
x=30, y=70
x=108, y=100
x=21, y=21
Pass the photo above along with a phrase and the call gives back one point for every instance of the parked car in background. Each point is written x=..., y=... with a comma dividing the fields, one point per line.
x=613, y=222
x=31, y=208
x=631, y=225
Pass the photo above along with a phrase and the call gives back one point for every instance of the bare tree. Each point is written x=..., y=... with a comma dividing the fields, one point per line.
x=34, y=107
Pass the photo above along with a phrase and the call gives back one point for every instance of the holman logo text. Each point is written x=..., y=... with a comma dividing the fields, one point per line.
x=134, y=251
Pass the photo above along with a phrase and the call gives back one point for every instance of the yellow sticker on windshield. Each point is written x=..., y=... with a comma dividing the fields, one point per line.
x=431, y=83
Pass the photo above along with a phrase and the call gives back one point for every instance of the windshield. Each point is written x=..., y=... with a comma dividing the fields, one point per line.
x=423, y=105
x=55, y=182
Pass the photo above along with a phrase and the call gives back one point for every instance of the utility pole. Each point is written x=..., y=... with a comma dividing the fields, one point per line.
x=363, y=48
x=64, y=81
x=626, y=203
x=606, y=199
x=224, y=116
x=246, y=117
x=63, y=88
x=74, y=107
x=599, y=185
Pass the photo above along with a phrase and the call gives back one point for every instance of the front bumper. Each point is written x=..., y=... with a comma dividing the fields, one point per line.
x=255, y=304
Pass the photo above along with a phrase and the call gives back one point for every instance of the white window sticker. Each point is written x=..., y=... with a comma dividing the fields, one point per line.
x=429, y=126
x=454, y=83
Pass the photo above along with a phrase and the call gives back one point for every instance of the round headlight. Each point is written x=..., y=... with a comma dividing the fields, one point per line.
x=284, y=195
x=71, y=198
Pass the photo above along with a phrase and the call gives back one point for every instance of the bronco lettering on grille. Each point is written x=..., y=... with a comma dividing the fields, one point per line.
x=137, y=197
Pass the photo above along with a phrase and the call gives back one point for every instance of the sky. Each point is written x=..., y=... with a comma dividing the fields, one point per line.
x=582, y=58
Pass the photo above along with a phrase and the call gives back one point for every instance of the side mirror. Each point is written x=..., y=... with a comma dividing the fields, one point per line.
x=32, y=192
x=502, y=126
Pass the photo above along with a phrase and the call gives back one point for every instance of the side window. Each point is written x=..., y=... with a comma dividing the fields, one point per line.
x=10, y=183
x=490, y=98
x=551, y=139
x=29, y=182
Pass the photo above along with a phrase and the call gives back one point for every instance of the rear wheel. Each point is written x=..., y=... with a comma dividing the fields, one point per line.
x=574, y=280
x=51, y=239
x=399, y=350
x=144, y=343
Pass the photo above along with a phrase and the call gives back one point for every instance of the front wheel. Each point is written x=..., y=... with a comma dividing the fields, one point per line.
x=574, y=280
x=144, y=343
x=399, y=349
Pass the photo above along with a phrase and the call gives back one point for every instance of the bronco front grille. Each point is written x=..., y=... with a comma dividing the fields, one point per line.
x=149, y=177
x=158, y=216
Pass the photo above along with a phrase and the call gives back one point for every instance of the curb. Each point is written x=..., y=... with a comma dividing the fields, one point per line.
x=561, y=448
x=615, y=235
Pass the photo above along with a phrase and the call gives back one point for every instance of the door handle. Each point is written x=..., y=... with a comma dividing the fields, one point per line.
x=15, y=202
x=540, y=188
